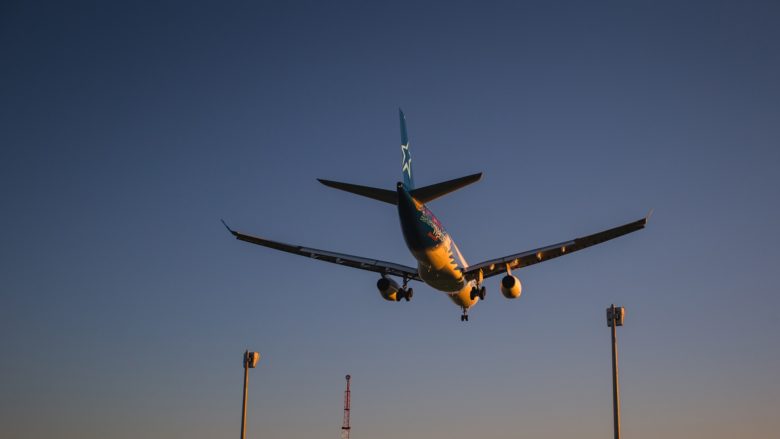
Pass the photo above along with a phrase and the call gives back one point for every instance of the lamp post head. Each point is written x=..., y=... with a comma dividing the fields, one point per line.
x=616, y=314
x=251, y=359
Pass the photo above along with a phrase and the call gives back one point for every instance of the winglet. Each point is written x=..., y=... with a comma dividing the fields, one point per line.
x=228, y=227
x=649, y=214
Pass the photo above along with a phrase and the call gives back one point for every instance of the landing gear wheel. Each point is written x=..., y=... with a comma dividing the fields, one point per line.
x=464, y=317
x=482, y=293
x=409, y=294
x=474, y=293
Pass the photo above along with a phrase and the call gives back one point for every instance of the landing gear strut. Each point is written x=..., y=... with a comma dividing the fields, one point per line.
x=465, y=316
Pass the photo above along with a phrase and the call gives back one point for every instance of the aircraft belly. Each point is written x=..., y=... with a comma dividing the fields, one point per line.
x=441, y=280
x=438, y=269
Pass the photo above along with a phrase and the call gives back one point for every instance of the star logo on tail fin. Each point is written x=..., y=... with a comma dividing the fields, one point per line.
x=407, y=159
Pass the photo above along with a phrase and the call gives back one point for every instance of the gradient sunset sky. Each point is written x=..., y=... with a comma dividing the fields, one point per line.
x=127, y=130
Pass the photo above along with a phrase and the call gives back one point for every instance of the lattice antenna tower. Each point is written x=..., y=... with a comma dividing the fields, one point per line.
x=345, y=428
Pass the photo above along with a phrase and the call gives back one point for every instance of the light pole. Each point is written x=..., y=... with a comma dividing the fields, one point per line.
x=250, y=361
x=615, y=317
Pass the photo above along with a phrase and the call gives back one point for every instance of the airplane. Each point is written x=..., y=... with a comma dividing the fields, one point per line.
x=440, y=264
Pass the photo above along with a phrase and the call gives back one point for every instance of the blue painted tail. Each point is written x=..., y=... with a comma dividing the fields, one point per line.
x=406, y=165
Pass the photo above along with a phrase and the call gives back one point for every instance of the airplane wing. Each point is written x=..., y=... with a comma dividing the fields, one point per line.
x=375, y=265
x=531, y=257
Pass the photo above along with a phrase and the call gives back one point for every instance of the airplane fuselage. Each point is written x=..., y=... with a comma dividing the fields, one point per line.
x=439, y=262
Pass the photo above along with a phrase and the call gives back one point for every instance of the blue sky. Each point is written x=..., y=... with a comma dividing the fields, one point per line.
x=128, y=131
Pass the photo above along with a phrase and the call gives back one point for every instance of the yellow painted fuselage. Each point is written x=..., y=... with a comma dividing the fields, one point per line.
x=439, y=262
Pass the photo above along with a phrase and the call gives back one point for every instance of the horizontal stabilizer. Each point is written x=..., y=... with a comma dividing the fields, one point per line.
x=366, y=191
x=434, y=191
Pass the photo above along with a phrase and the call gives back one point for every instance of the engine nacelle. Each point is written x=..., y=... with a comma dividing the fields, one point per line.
x=388, y=288
x=511, y=287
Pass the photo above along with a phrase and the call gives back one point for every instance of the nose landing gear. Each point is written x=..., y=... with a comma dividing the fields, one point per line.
x=465, y=316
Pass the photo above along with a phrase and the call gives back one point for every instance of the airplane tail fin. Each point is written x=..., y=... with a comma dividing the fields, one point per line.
x=406, y=164
x=423, y=194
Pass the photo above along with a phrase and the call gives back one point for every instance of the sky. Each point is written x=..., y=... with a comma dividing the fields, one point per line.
x=128, y=130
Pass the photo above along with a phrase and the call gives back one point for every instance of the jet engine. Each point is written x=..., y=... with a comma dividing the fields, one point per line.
x=511, y=287
x=391, y=292
x=388, y=288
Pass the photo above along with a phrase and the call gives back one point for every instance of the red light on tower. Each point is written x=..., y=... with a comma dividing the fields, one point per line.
x=345, y=428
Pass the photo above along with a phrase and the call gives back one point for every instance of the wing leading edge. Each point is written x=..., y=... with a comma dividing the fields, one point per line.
x=375, y=265
x=531, y=257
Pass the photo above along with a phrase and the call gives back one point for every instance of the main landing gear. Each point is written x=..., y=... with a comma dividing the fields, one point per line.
x=480, y=292
x=404, y=292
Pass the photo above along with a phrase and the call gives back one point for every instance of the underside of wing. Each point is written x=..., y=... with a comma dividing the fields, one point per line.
x=375, y=265
x=531, y=257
